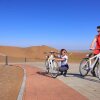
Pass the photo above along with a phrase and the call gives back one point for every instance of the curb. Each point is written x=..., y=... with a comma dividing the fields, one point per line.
x=21, y=91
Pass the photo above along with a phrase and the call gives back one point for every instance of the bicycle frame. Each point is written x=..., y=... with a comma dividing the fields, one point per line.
x=96, y=57
x=50, y=59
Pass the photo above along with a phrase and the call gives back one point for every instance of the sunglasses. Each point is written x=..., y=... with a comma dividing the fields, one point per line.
x=65, y=52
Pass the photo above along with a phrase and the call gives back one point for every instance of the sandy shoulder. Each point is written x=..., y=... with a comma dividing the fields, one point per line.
x=10, y=82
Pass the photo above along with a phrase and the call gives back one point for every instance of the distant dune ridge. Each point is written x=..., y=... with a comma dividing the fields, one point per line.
x=36, y=52
x=28, y=52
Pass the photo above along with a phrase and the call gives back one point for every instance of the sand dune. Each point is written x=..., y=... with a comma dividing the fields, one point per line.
x=29, y=52
x=12, y=51
x=35, y=52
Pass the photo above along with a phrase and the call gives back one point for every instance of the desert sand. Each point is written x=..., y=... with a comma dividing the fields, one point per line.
x=34, y=53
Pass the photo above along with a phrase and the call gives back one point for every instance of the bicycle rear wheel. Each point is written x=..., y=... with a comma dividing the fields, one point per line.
x=54, y=69
x=84, y=67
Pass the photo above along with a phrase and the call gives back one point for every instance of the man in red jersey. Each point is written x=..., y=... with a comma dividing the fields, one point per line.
x=95, y=46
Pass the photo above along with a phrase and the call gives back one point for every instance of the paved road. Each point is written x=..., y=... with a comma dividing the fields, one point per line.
x=40, y=86
x=89, y=86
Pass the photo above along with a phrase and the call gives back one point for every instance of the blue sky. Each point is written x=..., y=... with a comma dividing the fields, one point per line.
x=69, y=24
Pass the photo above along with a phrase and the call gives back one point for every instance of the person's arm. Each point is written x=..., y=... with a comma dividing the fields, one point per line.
x=93, y=43
x=59, y=59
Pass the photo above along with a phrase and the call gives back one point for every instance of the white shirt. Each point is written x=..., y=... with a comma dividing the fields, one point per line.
x=64, y=62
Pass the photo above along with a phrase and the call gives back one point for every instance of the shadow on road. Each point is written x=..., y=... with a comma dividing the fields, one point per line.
x=44, y=74
x=90, y=78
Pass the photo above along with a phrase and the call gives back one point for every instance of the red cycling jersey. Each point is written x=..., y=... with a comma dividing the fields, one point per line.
x=97, y=49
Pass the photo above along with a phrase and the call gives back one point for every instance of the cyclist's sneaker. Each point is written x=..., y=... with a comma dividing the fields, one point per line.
x=93, y=73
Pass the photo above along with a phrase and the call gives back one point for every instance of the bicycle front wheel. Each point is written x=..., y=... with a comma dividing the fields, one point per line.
x=84, y=67
x=54, y=69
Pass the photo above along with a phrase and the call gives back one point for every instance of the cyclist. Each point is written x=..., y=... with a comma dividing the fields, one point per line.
x=64, y=59
x=95, y=46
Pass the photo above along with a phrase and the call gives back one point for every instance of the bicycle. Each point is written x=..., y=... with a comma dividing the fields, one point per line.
x=51, y=65
x=87, y=64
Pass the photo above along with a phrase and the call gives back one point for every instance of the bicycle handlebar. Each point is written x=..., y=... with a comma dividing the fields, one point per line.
x=94, y=49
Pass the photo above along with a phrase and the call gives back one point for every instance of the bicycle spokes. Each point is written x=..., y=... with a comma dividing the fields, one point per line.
x=84, y=67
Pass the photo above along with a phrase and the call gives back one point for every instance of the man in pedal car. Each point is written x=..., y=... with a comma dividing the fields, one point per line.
x=95, y=46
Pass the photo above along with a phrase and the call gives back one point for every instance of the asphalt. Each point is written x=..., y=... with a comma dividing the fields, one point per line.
x=41, y=86
x=88, y=86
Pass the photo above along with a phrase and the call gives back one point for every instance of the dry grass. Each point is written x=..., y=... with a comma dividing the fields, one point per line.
x=10, y=82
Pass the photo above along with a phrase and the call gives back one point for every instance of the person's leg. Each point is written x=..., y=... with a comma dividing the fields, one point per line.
x=60, y=69
x=93, y=71
x=65, y=72
x=66, y=68
x=61, y=72
x=63, y=69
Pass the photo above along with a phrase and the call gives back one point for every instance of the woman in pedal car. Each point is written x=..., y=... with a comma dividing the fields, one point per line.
x=64, y=60
x=95, y=46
